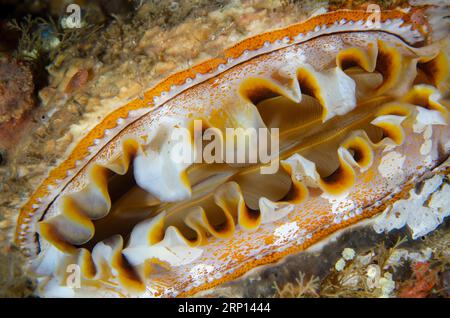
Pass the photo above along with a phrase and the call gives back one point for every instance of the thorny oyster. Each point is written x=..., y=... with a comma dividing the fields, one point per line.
x=360, y=111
